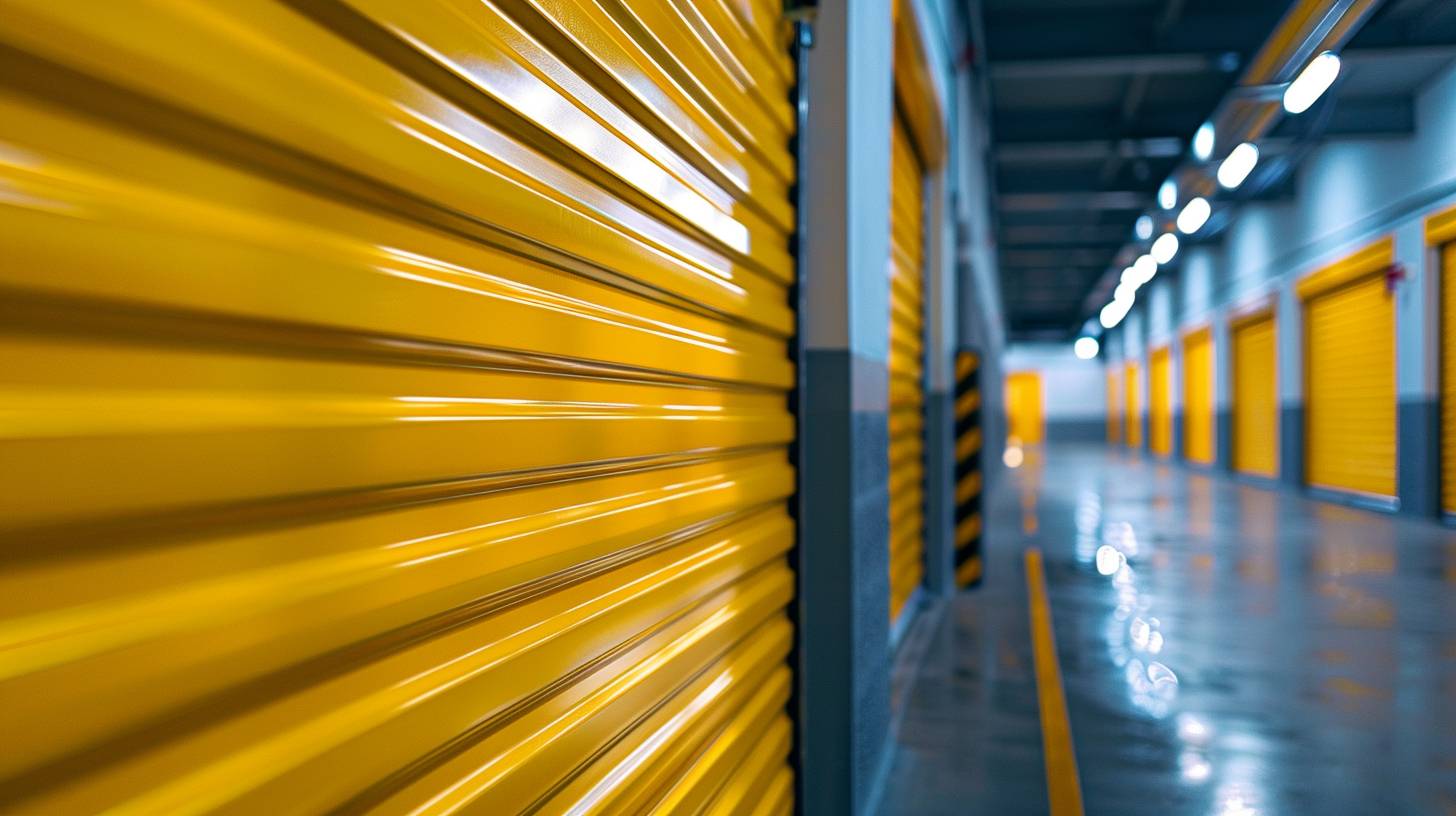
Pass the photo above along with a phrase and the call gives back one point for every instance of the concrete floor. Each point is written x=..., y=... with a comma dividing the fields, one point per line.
x=1262, y=653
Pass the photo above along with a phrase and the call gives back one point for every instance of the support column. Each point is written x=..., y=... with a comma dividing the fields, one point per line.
x=1289, y=342
x=1417, y=377
x=1223, y=392
x=844, y=657
x=940, y=299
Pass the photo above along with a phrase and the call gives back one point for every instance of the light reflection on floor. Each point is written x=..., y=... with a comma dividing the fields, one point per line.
x=1226, y=649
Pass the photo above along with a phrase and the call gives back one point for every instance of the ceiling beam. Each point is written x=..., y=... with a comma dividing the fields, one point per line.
x=1157, y=147
x=1114, y=236
x=1121, y=65
x=1075, y=200
x=1021, y=31
x=1056, y=256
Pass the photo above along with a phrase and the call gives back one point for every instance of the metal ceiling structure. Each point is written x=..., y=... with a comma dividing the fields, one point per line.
x=1093, y=105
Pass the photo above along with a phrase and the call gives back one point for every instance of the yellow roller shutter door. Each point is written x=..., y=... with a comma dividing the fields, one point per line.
x=1132, y=406
x=1198, y=409
x=1114, y=407
x=396, y=407
x=1448, y=378
x=1160, y=402
x=1025, y=408
x=907, y=352
x=1350, y=378
x=1255, y=406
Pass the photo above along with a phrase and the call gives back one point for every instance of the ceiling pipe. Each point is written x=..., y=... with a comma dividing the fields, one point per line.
x=1253, y=107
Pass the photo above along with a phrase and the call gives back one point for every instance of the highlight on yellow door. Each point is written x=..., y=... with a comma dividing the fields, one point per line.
x=1133, y=405
x=357, y=359
x=1114, y=406
x=1448, y=378
x=906, y=364
x=1350, y=400
x=1025, y=410
x=1160, y=401
x=1441, y=236
x=1198, y=408
x=1255, y=407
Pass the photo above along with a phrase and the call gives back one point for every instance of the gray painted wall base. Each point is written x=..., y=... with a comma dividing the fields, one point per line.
x=1291, y=445
x=940, y=497
x=844, y=582
x=1175, y=443
x=1223, y=440
x=1418, y=474
x=1076, y=430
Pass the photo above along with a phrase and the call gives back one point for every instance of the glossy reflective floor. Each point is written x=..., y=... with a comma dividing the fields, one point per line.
x=1225, y=648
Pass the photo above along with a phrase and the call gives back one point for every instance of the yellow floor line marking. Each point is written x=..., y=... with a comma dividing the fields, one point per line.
x=1063, y=787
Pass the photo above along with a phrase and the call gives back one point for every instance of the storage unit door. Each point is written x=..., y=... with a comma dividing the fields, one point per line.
x=396, y=407
x=1198, y=420
x=1448, y=378
x=1133, y=407
x=1350, y=376
x=1114, y=407
x=907, y=371
x=1255, y=406
x=1026, y=418
x=1160, y=402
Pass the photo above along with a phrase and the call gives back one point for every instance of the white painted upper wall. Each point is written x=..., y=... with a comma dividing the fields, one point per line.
x=1072, y=389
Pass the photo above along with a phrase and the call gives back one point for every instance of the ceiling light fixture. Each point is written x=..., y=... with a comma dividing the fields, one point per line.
x=1165, y=247
x=1312, y=82
x=1203, y=141
x=1194, y=216
x=1085, y=348
x=1168, y=195
x=1239, y=164
x=1144, y=227
x=1146, y=268
x=1113, y=313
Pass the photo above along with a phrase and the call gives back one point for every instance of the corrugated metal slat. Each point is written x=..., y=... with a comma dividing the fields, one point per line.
x=1256, y=397
x=906, y=368
x=396, y=406
x=1198, y=421
x=1448, y=378
x=1350, y=376
x=1160, y=402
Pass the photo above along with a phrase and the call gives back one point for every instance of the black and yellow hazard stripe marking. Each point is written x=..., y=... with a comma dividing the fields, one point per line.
x=969, y=481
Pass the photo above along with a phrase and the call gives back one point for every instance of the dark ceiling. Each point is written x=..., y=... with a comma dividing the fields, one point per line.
x=1094, y=103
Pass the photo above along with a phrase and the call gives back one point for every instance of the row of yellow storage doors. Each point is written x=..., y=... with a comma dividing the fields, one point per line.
x=1349, y=378
x=1254, y=409
x=1197, y=398
x=397, y=407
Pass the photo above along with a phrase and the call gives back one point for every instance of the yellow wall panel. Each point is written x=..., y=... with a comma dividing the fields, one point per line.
x=1255, y=408
x=907, y=372
x=1132, y=406
x=1160, y=402
x=396, y=407
x=1350, y=399
x=1448, y=378
x=1025, y=407
x=1198, y=410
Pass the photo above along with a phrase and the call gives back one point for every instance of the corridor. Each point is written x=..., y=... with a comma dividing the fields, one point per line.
x=1225, y=648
